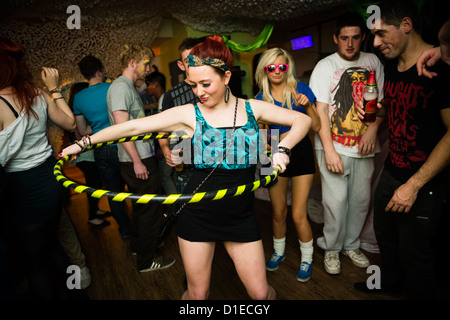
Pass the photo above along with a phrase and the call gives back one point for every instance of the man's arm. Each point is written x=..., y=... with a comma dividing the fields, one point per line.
x=405, y=196
x=139, y=168
x=332, y=158
x=431, y=56
x=83, y=128
x=369, y=137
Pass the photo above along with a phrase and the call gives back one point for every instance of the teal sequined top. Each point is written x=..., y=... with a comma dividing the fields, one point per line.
x=210, y=144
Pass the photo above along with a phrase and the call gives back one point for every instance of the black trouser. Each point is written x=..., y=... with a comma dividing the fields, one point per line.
x=93, y=180
x=406, y=240
x=145, y=218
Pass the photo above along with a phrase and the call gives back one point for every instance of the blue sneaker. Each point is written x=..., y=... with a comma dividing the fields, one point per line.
x=304, y=273
x=275, y=261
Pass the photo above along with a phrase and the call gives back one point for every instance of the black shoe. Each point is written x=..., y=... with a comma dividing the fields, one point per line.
x=362, y=286
x=102, y=216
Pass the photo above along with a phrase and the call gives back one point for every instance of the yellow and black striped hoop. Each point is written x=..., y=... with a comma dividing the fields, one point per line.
x=163, y=199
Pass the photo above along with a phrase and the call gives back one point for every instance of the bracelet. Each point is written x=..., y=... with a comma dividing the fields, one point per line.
x=56, y=90
x=58, y=98
x=82, y=149
x=284, y=150
x=85, y=141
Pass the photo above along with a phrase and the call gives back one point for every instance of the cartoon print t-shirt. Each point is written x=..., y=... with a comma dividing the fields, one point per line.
x=413, y=105
x=340, y=84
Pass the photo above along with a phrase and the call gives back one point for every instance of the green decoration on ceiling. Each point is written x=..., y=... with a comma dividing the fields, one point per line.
x=258, y=43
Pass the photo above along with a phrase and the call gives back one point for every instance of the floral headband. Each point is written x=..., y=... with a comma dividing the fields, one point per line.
x=194, y=61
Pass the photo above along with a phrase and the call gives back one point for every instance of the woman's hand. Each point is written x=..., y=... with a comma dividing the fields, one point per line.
x=73, y=149
x=50, y=76
x=281, y=160
x=301, y=99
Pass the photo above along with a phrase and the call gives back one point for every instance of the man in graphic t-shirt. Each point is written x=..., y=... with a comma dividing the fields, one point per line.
x=345, y=147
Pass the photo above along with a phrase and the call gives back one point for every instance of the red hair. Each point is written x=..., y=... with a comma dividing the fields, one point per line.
x=15, y=73
x=213, y=48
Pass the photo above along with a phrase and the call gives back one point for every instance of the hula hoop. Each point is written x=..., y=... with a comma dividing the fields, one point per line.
x=163, y=199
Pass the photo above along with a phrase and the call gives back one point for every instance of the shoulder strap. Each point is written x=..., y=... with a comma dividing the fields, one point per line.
x=11, y=107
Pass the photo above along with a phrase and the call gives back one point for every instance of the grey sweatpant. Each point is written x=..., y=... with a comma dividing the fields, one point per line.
x=345, y=199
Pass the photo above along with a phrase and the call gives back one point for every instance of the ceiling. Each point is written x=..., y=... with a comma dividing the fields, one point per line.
x=211, y=16
x=41, y=25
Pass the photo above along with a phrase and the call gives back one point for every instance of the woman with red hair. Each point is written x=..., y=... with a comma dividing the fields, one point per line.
x=225, y=149
x=34, y=197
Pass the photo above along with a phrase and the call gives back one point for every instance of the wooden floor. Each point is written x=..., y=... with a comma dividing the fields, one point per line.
x=115, y=277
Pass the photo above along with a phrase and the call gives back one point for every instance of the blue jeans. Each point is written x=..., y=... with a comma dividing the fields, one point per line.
x=109, y=169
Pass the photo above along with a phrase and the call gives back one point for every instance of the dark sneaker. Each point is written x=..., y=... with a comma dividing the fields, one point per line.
x=159, y=263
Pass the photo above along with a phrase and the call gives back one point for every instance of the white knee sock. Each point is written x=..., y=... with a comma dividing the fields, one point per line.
x=306, y=249
x=279, y=245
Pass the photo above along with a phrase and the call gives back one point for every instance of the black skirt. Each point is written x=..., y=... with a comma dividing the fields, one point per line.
x=34, y=196
x=228, y=219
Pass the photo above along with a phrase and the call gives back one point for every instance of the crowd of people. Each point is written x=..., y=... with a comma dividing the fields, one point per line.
x=394, y=170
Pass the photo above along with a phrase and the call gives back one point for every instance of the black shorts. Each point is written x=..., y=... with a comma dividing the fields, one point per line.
x=301, y=161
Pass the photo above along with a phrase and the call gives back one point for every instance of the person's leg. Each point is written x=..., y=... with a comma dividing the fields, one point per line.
x=70, y=243
x=41, y=251
x=278, y=199
x=248, y=258
x=69, y=240
x=197, y=260
x=145, y=217
x=301, y=186
x=110, y=172
x=93, y=180
x=417, y=232
x=359, y=190
x=335, y=204
x=387, y=233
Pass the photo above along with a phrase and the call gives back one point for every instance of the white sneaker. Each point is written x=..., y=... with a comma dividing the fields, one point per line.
x=85, y=278
x=331, y=262
x=358, y=258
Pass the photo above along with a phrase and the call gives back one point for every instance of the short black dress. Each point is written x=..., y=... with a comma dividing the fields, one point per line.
x=228, y=219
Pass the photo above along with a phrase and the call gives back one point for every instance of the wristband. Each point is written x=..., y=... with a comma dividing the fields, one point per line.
x=56, y=90
x=284, y=150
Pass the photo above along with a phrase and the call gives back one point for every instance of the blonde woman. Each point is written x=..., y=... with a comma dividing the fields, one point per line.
x=278, y=84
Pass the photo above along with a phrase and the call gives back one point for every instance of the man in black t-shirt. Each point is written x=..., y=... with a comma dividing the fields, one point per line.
x=414, y=185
